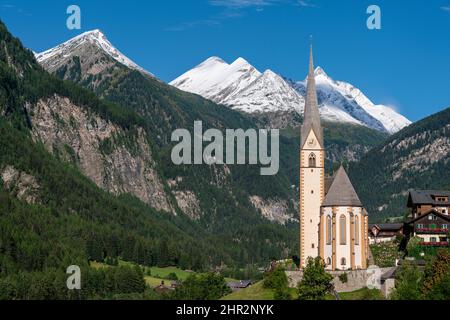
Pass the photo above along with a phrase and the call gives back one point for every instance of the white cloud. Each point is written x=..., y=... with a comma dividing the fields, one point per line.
x=446, y=8
x=306, y=4
x=239, y=4
x=232, y=9
x=192, y=24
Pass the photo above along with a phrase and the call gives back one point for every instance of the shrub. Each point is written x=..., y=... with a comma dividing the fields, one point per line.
x=275, y=279
x=282, y=294
x=343, y=278
x=172, y=276
x=209, y=286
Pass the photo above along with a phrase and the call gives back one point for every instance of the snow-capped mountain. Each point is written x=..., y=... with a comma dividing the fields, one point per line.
x=217, y=80
x=242, y=87
x=340, y=93
x=267, y=93
x=94, y=37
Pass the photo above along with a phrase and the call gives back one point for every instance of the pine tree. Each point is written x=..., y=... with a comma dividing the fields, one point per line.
x=316, y=282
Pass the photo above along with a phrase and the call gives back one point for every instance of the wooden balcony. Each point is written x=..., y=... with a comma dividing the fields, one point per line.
x=434, y=244
x=432, y=231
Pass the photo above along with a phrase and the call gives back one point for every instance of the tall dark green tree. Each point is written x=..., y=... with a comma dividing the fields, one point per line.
x=316, y=282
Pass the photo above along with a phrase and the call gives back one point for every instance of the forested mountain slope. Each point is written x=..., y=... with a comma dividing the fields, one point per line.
x=51, y=216
x=418, y=157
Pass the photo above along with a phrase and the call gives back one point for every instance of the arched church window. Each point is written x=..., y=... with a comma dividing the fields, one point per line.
x=343, y=262
x=329, y=230
x=312, y=160
x=343, y=229
x=357, y=230
x=328, y=261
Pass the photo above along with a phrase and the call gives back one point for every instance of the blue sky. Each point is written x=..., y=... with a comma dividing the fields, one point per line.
x=406, y=64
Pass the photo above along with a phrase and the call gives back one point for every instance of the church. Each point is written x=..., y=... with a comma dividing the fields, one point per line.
x=333, y=221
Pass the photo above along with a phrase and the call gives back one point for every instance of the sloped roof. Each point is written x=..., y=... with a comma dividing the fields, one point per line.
x=387, y=226
x=240, y=284
x=431, y=211
x=341, y=192
x=328, y=182
x=427, y=197
x=311, y=115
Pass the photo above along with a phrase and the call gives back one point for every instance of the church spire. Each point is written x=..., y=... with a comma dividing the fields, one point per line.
x=311, y=115
x=311, y=61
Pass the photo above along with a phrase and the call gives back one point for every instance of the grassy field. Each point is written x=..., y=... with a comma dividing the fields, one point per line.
x=98, y=265
x=154, y=282
x=162, y=273
x=362, y=294
x=254, y=292
x=157, y=274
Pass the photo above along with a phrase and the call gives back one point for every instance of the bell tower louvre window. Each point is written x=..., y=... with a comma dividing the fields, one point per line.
x=312, y=160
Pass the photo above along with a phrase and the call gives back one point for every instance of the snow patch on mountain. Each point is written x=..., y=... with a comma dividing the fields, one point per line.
x=95, y=37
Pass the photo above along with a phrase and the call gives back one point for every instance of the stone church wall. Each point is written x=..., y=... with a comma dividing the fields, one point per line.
x=356, y=279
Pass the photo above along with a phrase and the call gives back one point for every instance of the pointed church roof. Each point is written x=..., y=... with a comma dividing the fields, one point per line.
x=312, y=115
x=342, y=193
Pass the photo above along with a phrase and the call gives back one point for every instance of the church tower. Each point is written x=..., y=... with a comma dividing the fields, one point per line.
x=312, y=172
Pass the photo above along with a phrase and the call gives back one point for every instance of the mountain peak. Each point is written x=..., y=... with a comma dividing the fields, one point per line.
x=213, y=60
x=94, y=37
x=240, y=61
x=320, y=72
x=95, y=33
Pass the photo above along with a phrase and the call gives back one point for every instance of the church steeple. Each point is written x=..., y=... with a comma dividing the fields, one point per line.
x=311, y=115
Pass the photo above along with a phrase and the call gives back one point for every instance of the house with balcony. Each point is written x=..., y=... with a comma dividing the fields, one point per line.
x=432, y=226
x=430, y=217
x=422, y=201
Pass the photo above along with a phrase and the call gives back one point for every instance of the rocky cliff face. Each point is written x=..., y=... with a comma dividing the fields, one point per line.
x=274, y=210
x=417, y=157
x=188, y=203
x=428, y=152
x=336, y=153
x=22, y=185
x=105, y=153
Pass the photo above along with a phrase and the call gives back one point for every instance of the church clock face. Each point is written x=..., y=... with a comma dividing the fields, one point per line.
x=311, y=142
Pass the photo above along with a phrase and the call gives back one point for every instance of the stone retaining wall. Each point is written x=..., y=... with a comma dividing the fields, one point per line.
x=356, y=279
